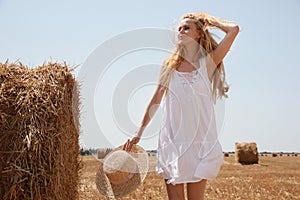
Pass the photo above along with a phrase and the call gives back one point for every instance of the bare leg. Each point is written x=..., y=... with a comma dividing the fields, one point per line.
x=175, y=192
x=196, y=190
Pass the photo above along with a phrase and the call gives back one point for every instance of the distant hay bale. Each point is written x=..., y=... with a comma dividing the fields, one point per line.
x=274, y=154
x=39, y=125
x=226, y=154
x=102, y=152
x=246, y=153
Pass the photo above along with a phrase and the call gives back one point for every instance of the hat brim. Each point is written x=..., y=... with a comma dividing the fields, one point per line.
x=112, y=190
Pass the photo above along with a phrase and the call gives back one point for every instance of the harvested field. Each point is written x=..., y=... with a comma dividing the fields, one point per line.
x=273, y=178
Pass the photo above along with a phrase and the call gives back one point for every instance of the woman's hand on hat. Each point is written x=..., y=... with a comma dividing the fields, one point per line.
x=129, y=143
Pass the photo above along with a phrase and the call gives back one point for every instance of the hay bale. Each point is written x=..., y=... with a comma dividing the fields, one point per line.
x=226, y=154
x=102, y=152
x=39, y=132
x=246, y=153
x=274, y=154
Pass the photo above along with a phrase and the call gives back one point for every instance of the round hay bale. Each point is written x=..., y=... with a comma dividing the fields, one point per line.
x=226, y=154
x=274, y=154
x=246, y=153
x=39, y=126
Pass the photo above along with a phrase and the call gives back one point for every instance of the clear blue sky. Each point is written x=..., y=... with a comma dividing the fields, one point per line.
x=262, y=68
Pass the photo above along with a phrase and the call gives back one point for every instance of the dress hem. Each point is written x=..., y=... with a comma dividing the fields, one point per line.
x=174, y=182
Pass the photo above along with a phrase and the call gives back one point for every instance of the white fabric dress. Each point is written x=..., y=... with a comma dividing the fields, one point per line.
x=188, y=147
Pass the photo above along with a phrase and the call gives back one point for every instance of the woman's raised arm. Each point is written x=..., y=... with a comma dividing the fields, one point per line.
x=231, y=29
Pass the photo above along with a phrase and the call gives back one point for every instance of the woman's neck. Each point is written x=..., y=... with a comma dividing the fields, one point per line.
x=191, y=53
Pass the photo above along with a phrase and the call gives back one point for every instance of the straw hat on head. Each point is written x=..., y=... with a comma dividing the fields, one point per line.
x=121, y=172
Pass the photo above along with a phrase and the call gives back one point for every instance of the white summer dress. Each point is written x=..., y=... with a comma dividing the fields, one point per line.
x=188, y=146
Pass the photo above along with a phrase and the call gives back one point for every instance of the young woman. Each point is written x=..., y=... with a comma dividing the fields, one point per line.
x=191, y=79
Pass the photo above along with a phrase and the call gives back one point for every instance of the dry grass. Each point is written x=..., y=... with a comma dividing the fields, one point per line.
x=273, y=178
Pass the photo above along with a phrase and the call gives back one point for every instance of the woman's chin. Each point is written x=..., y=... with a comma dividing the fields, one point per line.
x=182, y=41
x=185, y=42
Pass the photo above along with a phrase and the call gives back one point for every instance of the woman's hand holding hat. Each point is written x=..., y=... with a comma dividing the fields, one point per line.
x=129, y=143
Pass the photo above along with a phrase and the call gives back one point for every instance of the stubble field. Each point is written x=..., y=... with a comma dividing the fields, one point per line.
x=273, y=178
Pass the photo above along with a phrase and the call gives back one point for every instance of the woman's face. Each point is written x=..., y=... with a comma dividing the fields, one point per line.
x=187, y=31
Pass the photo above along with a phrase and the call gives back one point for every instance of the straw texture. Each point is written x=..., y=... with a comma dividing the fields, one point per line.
x=246, y=153
x=39, y=131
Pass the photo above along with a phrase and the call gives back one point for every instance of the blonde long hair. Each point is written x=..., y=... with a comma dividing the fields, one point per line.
x=206, y=45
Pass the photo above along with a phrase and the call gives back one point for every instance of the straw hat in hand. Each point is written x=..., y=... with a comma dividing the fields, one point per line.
x=121, y=172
